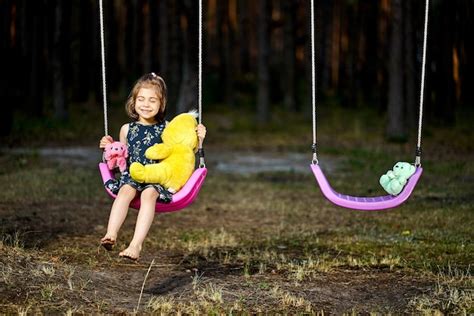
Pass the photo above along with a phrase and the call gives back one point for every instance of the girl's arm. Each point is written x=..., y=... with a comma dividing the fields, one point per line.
x=123, y=134
x=107, y=139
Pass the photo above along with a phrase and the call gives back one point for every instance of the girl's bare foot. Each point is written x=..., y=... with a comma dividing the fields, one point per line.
x=132, y=253
x=108, y=241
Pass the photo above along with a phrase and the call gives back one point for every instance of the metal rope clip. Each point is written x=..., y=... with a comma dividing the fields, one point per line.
x=202, y=164
x=314, y=161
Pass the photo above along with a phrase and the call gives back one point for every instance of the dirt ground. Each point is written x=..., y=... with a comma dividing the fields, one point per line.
x=109, y=284
x=250, y=243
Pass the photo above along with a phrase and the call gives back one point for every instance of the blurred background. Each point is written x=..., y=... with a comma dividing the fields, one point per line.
x=256, y=64
x=260, y=237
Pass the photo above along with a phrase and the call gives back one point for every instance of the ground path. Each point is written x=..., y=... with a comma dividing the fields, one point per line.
x=222, y=161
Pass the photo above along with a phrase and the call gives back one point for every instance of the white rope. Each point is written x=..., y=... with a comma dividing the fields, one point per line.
x=102, y=51
x=200, y=63
x=313, y=82
x=202, y=163
x=422, y=88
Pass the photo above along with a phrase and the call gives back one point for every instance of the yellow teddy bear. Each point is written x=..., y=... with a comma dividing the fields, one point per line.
x=177, y=155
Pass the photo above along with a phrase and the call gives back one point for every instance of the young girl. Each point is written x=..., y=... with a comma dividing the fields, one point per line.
x=146, y=106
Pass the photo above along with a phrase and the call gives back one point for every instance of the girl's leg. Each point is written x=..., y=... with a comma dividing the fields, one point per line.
x=118, y=213
x=144, y=220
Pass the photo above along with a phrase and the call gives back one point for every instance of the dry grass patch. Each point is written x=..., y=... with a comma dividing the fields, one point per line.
x=453, y=293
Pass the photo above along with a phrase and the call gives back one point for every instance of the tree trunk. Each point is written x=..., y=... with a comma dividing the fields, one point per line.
x=58, y=64
x=446, y=101
x=348, y=57
x=382, y=51
x=244, y=36
x=221, y=25
x=289, y=60
x=36, y=76
x=326, y=45
x=7, y=90
x=154, y=35
x=121, y=16
x=164, y=38
x=188, y=87
x=336, y=45
x=395, y=126
x=370, y=53
x=465, y=49
x=409, y=61
x=78, y=50
x=175, y=58
x=134, y=43
x=147, y=39
x=263, y=97
x=228, y=59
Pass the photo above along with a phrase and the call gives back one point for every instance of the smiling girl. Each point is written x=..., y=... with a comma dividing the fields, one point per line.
x=146, y=105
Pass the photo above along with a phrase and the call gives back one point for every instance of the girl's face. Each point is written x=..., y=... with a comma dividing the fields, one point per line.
x=147, y=105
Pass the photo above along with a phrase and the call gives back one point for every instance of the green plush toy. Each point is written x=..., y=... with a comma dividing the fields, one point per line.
x=394, y=180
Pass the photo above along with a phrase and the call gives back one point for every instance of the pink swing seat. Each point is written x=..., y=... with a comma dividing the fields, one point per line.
x=365, y=203
x=181, y=199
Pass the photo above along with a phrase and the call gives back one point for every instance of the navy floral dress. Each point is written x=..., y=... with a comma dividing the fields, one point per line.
x=139, y=138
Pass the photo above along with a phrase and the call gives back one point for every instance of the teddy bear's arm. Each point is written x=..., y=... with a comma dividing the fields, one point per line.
x=402, y=179
x=391, y=174
x=158, y=151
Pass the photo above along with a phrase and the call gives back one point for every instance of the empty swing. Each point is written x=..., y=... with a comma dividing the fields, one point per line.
x=188, y=193
x=358, y=202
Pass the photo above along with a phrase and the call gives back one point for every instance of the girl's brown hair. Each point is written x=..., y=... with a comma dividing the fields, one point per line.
x=148, y=81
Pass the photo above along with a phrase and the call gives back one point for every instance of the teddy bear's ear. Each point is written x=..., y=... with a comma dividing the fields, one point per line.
x=125, y=152
x=108, y=151
x=194, y=113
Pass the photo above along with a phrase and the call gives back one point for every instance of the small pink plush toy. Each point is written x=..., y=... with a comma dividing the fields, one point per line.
x=116, y=155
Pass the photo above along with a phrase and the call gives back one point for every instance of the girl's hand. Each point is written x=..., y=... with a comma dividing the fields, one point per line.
x=104, y=141
x=201, y=132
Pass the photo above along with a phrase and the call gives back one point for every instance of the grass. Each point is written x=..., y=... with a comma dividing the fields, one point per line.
x=251, y=243
x=453, y=294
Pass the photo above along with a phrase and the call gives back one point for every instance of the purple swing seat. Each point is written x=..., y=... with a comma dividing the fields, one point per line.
x=181, y=199
x=365, y=203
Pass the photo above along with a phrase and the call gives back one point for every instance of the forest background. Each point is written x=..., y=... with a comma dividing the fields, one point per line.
x=256, y=60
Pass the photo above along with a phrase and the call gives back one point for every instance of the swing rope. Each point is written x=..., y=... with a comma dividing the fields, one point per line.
x=202, y=164
x=102, y=54
x=422, y=88
x=200, y=66
x=313, y=87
